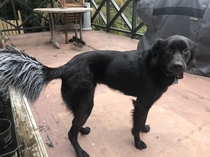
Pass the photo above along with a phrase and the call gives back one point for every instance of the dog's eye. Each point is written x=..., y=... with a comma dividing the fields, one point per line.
x=169, y=51
x=186, y=51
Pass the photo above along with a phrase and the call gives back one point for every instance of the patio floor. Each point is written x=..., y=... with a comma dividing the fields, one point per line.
x=179, y=120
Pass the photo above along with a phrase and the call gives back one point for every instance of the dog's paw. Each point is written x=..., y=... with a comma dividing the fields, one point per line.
x=145, y=129
x=83, y=154
x=85, y=131
x=140, y=145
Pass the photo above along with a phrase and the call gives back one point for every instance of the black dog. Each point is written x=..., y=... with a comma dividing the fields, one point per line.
x=145, y=75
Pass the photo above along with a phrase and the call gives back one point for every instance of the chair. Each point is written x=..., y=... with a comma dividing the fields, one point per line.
x=75, y=18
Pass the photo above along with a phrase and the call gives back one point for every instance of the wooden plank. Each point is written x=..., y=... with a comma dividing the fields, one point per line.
x=4, y=24
x=9, y=27
x=72, y=3
x=70, y=17
x=20, y=21
x=30, y=142
x=1, y=27
x=69, y=26
x=63, y=10
x=12, y=27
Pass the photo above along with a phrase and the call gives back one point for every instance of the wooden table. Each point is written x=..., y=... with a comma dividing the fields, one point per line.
x=53, y=26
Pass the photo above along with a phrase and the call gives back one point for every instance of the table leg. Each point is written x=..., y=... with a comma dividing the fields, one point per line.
x=52, y=30
x=80, y=25
x=65, y=31
x=75, y=19
x=78, y=19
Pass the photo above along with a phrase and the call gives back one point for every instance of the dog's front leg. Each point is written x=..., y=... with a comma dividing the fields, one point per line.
x=139, y=119
x=145, y=128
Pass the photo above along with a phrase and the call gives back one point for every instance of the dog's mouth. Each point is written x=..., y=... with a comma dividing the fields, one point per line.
x=180, y=76
x=177, y=75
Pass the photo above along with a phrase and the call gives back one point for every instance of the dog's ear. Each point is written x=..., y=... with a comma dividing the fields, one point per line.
x=155, y=51
x=194, y=50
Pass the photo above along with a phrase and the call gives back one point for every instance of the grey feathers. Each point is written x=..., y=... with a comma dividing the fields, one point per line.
x=22, y=72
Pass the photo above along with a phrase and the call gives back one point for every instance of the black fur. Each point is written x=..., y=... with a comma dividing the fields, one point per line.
x=145, y=75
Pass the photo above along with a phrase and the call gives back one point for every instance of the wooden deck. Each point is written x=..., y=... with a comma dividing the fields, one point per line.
x=180, y=120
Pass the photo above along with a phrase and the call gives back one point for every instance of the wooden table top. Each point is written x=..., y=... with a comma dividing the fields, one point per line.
x=63, y=10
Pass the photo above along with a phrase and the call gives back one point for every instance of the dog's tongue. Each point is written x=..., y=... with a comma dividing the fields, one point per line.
x=180, y=76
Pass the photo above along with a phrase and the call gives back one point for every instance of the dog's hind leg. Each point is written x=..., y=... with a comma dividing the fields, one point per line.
x=82, y=110
x=79, y=99
x=79, y=120
x=73, y=135
x=85, y=131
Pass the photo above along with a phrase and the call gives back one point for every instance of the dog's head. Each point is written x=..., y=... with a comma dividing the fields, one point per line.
x=173, y=54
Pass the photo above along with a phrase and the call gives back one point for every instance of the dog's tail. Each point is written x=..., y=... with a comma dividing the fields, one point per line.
x=24, y=73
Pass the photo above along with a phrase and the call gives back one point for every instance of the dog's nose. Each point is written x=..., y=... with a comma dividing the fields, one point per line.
x=177, y=65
